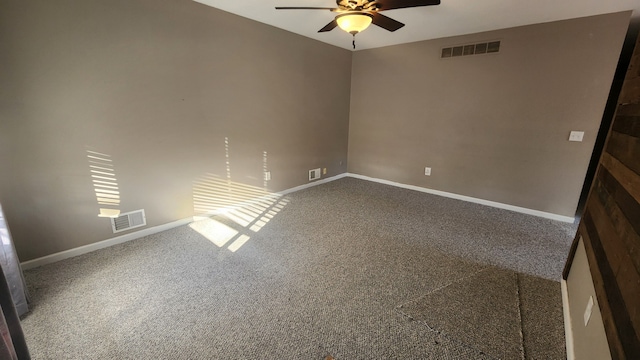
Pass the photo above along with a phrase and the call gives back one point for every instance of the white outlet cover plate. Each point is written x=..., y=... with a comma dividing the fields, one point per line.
x=427, y=171
x=576, y=136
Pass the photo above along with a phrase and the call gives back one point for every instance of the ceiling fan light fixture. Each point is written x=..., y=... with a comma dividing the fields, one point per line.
x=354, y=23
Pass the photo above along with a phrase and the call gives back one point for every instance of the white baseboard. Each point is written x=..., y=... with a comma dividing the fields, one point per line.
x=519, y=209
x=101, y=244
x=568, y=331
x=312, y=184
x=144, y=232
x=152, y=230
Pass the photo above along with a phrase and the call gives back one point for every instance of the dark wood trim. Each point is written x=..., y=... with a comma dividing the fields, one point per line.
x=622, y=338
x=628, y=125
x=572, y=254
x=611, y=108
x=629, y=206
x=610, y=225
x=621, y=226
x=615, y=346
x=628, y=110
x=625, y=176
x=623, y=147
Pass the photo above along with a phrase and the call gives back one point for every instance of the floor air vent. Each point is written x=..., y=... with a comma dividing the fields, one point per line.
x=128, y=221
x=471, y=49
x=314, y=174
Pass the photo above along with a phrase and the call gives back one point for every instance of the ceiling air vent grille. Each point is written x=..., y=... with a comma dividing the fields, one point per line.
x=471, y=49
x=128, y=221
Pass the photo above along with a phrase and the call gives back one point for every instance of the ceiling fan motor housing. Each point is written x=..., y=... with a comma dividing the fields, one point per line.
x=359, y=5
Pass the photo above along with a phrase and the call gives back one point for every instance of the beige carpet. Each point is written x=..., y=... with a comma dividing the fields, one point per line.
x=319, y=272
x=498, y=312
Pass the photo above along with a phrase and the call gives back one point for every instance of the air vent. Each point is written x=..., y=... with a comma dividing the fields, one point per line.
x=128, y=221
x=471, y=49
x=314, y=174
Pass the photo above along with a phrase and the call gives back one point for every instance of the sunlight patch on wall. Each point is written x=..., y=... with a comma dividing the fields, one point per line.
x=227, y=158
x=266, y=175
x=227, y=211
x=244, y=209
x=212, y=194
x=105, y=183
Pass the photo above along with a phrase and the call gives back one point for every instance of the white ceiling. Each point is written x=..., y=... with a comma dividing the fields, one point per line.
x=450, y=18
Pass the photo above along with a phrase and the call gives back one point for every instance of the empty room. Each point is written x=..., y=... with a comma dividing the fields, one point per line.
x=319, y=179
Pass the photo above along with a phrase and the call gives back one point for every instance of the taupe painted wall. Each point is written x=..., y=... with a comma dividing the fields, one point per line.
x=590, y=341
x=158, y=85
x=491, y=126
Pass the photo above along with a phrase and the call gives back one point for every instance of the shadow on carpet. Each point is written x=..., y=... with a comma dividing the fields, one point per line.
x=498, y=312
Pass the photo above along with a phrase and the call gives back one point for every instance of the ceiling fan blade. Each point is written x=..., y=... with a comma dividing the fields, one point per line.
x=385, y=22
x=304, y=8
x=330, y=26
x=401, y=4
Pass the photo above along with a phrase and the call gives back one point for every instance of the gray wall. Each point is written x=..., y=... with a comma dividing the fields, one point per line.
x=158, y=85
x=491, y=126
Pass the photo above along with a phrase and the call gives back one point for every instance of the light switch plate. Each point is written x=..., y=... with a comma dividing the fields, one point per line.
x=576, y=136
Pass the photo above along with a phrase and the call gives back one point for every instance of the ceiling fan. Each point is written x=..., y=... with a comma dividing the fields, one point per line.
x=356, y=15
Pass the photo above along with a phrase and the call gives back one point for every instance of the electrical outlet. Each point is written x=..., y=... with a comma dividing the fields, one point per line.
x=427, y=171
x=324, y=171
x=576, y=136
x=267, y=175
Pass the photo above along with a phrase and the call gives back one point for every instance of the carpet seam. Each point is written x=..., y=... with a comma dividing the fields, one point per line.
x=442, y=333
x=487, y=267
x=445, y=335
x=322, y=275
x=523, y=354
x=460, y=342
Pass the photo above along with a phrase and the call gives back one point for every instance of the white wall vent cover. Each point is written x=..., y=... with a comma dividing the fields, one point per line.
x=314, y=174
x=128, y=221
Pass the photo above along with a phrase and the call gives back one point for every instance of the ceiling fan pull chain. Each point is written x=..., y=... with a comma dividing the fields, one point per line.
x=354, y=41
